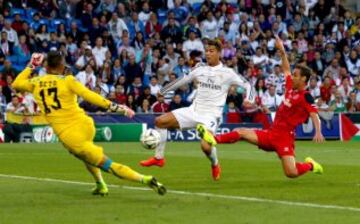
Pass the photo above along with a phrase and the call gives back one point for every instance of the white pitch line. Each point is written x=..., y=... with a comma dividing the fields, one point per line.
x=211, y=195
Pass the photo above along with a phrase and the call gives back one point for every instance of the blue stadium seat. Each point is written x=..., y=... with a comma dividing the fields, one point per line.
x=19, y=11
x=162, y=15
x=30, y=12
x=54, y=23
x=23, y=60
x=13, y=59
x=44, y=21
x=196, y=7
x=19, y=68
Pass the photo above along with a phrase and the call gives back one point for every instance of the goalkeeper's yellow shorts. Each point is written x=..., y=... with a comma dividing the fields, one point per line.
x=78, y=139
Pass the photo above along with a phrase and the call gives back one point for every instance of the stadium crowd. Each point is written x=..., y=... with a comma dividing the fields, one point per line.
x=127, y=50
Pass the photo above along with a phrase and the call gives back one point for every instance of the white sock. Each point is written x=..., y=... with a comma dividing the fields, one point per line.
x=160, y=150
x=213, y=156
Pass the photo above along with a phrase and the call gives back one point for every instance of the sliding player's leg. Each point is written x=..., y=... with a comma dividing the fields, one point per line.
x=100, y=188
x=291, y=167
x=248, y=135
x=162, y=123
x=93, y=155
x=79, y=142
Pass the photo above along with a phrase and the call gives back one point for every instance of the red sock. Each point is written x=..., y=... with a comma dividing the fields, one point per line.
x=230, y=137
x=303, y=168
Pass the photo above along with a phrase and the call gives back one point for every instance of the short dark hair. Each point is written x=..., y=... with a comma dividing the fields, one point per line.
x=304, y=71
x=54, y=59
x=216, y=43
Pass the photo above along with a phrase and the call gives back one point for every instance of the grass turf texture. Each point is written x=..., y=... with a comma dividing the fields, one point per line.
x=247, y=172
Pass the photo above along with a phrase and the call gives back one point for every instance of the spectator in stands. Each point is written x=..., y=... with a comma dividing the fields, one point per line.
x=116, y=26
x=314, y=88
x=136, y=88
x=337, y=104
x=145, y=107
x=125, y=45
x=271, y=100
x=75, y=33
x=87, y=16
x=15, y=106
x=104, y=88
x=146, y=94
x=171, y=55
x=120, y=96
x=85, y=58
x=177, y=103
x=135, y=25
x=12, y=36
x=192, y=25
x=145, y=13
x=352, y=105
x=42, y=33
x=144, y=59
x=160, y=106
x=181, y=69
x=87, y=77
x=209, y=26
x=130, y=102
x=260, y=59
x=353, y=64
x=99, y=52
x=132, y=70
x=171, y=33
x=17, y=23
x=152, y=26
x=95, y=31
x=345, y=89
x=334, y=69
x=106, y=6
x=193, y=44
x=154, y=85
x=7, y=47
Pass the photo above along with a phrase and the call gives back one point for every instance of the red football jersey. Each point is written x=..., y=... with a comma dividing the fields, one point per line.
x=295, y=108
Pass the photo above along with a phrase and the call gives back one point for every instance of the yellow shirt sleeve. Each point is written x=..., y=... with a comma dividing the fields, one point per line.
x=88, y=95
x=23, y=81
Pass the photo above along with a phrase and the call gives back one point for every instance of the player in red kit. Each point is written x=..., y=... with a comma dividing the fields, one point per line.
x=296, y=108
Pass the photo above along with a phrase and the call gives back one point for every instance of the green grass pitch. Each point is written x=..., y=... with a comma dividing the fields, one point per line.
x=43, y=183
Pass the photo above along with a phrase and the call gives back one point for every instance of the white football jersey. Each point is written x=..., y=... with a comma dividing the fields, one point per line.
x=212, y=89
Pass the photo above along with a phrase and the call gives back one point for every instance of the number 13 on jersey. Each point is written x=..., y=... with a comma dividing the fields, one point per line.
x=50, y=99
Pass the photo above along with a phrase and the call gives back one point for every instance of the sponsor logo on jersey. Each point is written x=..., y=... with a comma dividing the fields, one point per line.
x=209, y=86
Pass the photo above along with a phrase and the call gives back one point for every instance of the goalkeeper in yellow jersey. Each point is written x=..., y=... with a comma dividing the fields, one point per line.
x=56, y=96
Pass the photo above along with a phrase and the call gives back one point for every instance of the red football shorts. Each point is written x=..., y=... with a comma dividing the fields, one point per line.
x=280, y=142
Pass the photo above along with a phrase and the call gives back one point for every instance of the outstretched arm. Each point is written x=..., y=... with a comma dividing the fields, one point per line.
x=177, y=83
x=318, y=137
x=94, y=98
x=284, y=61
x=22, y=81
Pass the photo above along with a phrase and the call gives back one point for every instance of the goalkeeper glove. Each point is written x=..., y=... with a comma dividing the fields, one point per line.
x=122, y=109
x=36, y=60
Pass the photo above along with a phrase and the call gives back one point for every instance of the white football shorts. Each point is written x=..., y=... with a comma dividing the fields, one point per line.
x=188, y=118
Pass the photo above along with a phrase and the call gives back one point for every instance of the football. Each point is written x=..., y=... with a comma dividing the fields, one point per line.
x=150, y=138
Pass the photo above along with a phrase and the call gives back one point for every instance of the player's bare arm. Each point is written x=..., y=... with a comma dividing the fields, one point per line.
x=318, y=137
x=284, y=61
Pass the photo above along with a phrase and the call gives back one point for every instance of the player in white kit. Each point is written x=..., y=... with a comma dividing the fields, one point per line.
x=214, y=81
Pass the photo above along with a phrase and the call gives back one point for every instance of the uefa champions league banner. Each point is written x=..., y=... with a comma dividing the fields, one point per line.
x=191, y=135
x=113, y=127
